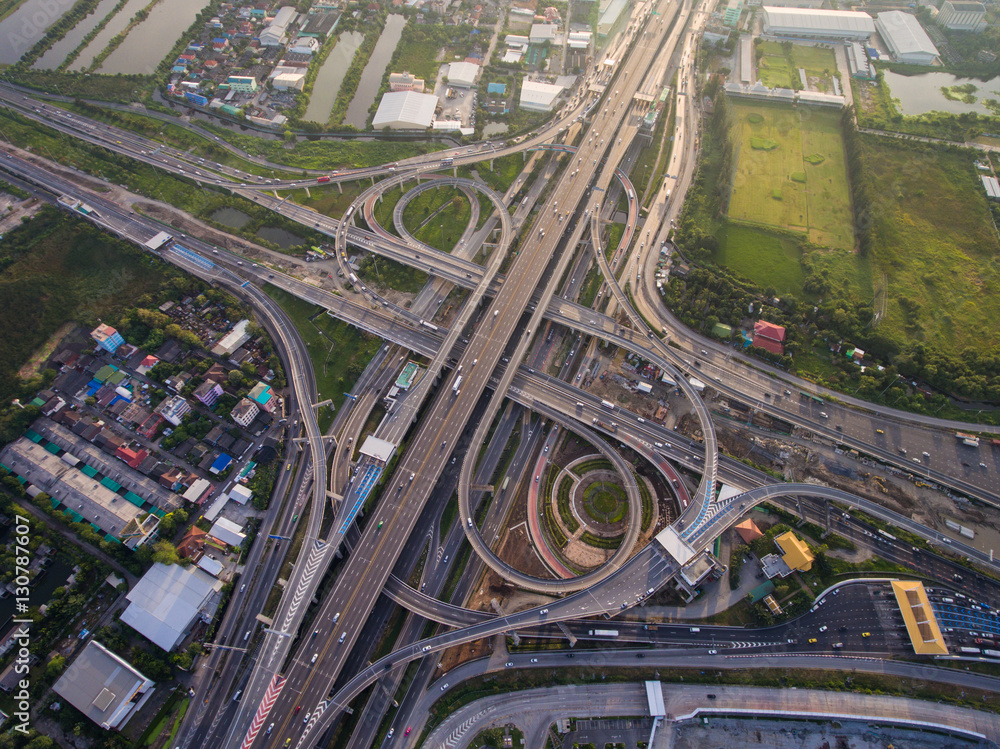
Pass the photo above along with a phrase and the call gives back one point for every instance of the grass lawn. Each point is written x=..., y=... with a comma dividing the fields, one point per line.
x=935, y=242
x=446, y=211
x=766, y=259
x=339, y=352
x=329, y=200
x=790, y=172
x=779, y=67
x=385, y=207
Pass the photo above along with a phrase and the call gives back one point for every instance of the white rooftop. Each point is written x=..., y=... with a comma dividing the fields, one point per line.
x=166, y=601
x=381, y=450
x=405, y=109
x=538, y=96
x=674, y=545
x=542, y=32
x=817, y=19
x=906, y=34
x=228, y=532
x=462, y=73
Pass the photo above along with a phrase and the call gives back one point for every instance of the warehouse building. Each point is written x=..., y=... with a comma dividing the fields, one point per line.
x=276, y=32
x=168, y=600
x=962, y=16
x=106, y=688
x=812, y=23
x=462, y=74
x=906, y=38
x=538, y=97
x=405, y=110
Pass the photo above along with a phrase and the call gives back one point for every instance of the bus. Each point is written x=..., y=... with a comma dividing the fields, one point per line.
x=505, y=482
x=968, y=439
x=886, y=535
x=814, y=398
x=323, y=179
x=608, y=405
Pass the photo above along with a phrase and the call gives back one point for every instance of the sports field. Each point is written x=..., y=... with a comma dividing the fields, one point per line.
x=790, y=172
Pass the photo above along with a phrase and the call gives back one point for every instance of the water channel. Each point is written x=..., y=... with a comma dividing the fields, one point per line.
x=21, y=29
x=152, y=39
x=58, y=51
x=331, y=75
x=115, y=26
x=921, y=93
x=371, y=78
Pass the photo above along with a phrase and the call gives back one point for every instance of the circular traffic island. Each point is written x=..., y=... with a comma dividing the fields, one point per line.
x=601, y=503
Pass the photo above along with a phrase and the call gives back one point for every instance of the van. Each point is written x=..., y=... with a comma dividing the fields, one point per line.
x=236, y=697
x=838, y=645
x=695, y=629
x=246, y=636
x=315, y=656
x=469, y=521
x=824, y=414
x=343, y=636
x=336, y=617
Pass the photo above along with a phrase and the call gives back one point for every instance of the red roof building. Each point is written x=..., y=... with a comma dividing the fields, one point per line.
x=148, y=428
x=131, y=457
x=770, y=337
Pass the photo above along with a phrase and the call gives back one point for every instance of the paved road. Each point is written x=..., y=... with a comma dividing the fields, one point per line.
x=535, y=707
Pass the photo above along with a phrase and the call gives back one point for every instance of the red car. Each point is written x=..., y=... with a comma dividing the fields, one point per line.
x=407, y=733
x=297, y=708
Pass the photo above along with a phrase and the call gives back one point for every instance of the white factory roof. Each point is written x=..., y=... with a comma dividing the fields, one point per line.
x=228, y=532
x=512, y=56
x=103, y=686
x=462, y=73
x=904, y=35
x=166, y=601
x=538, y=96
x=542, y=32
x=405, y=109
x=818, y=20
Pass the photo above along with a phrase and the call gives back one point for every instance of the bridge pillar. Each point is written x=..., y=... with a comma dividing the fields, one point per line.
x=340, y=187
x=798, y=503
x=491, y=165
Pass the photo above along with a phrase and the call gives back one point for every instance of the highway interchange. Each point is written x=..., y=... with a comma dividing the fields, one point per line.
x=507, y=311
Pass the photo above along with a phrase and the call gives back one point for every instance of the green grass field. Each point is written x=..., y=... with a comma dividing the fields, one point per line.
x=446, y=211
x=937, y=245
x=779, y=67
x=801, y=184
x=764, y=258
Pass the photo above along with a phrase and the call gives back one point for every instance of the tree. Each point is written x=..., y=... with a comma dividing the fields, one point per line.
x=236, y=378
x=55, y=667
x=165, y=552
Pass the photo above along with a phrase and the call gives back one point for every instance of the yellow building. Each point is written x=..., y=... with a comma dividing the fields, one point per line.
x=795, y=552
x=921, y=625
